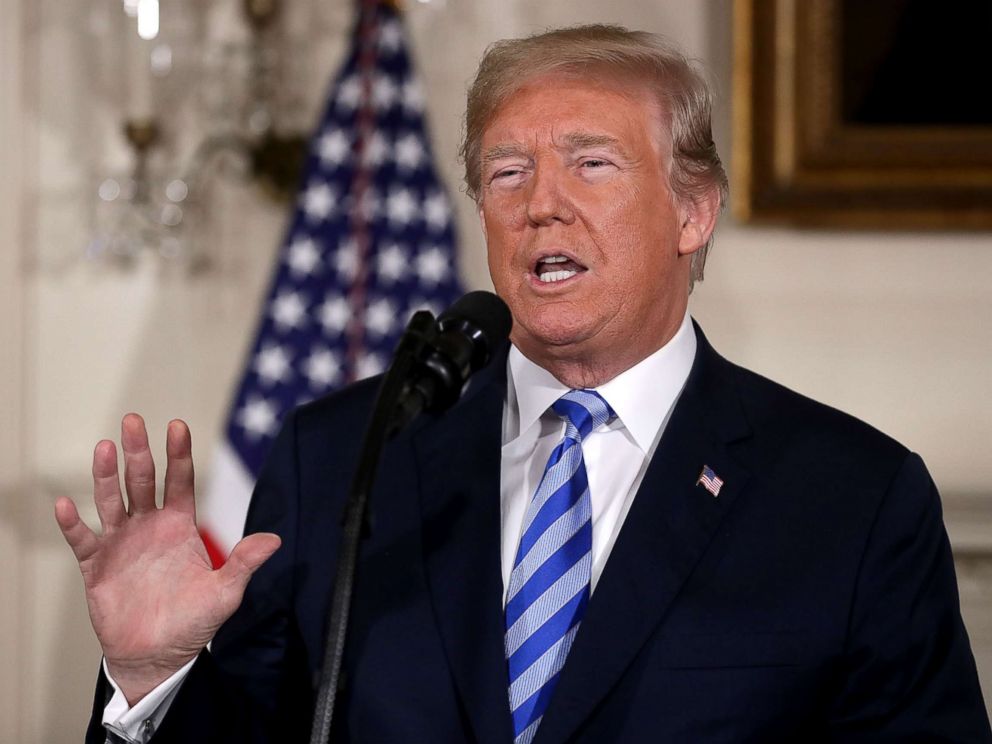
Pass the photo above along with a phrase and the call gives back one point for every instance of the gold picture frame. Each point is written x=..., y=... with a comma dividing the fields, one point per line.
x=800, y=159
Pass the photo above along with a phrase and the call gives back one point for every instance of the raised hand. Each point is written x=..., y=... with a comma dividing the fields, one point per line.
x=154, y=599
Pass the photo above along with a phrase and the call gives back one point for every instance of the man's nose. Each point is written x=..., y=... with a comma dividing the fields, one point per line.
x=547, y=197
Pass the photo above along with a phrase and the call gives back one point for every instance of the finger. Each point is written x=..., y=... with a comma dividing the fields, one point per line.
x=81, y=538
x=139, y=467
x=107, y=486
x=244, y=560
x=179, y=469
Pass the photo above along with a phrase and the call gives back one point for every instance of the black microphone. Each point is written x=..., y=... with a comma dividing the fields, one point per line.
x=432, y=363
x=460, y=344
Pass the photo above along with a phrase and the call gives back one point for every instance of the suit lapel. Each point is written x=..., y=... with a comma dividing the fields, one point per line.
x=459, y=470
x=669, y=527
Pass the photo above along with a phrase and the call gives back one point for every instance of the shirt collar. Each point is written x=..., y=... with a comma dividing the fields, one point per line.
x=642, y=396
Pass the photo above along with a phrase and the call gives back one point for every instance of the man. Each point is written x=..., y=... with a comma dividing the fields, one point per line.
x=615, y=536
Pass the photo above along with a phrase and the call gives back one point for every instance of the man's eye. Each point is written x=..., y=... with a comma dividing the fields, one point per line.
x=508, y=177
x=594, y=163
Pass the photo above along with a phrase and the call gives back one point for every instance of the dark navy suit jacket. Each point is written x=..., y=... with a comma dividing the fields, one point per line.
x=813, y=600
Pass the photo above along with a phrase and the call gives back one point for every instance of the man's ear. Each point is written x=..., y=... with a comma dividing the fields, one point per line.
x=482, y=222
x=698, y=215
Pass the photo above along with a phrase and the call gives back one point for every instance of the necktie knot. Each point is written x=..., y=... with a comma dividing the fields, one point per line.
x=585, y=410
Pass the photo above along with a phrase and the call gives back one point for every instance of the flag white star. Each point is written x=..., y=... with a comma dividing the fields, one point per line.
x=380, y=317
x=390, y=37
x=409, y=152
x=334, y=314
x=368, y=365
x=384, y=92
x=303, y=257
x=437, y=211
x=376, y=151
x=368, y=207
x=413, y=96
x=257, y=417
x=432, y=265
x=289, y=310
x=401, y=206
x=272, y=364
x=322, y=367
x=333, y=147
x=345, y=259
x=318, y=201
x=349, y=94
x=392, y=263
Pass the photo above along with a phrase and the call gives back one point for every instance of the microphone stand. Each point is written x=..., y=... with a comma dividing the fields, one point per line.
x=419, y=333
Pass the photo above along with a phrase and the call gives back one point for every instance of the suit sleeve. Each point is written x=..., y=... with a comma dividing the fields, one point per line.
x=252, y=687
x=908, y=674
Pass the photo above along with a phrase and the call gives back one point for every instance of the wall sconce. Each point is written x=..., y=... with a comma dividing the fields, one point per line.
x=248, y=107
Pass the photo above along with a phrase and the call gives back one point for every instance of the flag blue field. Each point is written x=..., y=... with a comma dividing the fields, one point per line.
x=371, y=241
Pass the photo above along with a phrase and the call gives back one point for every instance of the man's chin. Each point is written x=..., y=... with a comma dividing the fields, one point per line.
x=551, y=339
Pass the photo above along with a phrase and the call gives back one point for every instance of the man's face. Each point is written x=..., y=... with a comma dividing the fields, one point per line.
x=586, y=243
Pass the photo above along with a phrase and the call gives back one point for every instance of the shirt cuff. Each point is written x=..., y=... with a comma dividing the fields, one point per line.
x=137, y=725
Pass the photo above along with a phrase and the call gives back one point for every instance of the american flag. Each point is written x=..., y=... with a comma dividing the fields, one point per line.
x=370, y=242
x=710, y=480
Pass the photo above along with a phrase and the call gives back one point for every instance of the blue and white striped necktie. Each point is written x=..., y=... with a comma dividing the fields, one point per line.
x=549, y=585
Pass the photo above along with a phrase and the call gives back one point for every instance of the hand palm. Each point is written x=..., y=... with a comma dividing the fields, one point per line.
x=174, y=572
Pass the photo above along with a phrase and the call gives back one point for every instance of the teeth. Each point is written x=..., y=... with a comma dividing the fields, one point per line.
x=554, y=259
x=556, y=276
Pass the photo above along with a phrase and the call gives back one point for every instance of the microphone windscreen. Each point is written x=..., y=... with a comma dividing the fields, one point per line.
x=484, y=310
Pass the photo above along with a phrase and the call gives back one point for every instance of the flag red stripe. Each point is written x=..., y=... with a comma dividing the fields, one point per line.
x=217, y=556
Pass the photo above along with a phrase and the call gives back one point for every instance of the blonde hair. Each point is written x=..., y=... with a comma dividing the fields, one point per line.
x=684, y=96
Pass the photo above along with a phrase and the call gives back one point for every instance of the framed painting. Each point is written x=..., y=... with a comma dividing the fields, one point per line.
x=863, y=114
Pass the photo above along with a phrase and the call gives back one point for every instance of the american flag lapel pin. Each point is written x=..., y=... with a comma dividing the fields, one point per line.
x=710, y=480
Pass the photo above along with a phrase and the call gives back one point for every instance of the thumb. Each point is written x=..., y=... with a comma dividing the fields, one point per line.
x=245, y=559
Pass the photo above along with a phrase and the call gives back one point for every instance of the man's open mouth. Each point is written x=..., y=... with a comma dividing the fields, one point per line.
x=556, y=269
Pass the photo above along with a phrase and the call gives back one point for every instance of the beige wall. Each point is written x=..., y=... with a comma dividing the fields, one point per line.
x=11, y=368
x=892, y=327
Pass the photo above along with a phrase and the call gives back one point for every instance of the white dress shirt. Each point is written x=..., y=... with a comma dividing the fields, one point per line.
x=138, y=724
x=616, y=456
